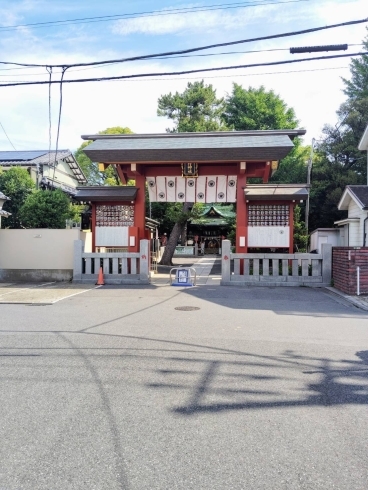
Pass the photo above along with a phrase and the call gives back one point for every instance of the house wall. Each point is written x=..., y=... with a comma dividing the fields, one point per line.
x=355, y=232
x=63, y=174
x=38, y=254
x=345, y=261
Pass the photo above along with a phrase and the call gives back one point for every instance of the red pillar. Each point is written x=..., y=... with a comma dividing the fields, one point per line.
x=291, y=226
x=93, y=227
x=139, y=210
x=241, y=216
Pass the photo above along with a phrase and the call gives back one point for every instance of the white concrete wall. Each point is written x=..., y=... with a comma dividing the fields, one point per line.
x=324, y=236
x=38, y=249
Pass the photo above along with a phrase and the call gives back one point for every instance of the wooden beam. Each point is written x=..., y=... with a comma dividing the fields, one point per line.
x=102, y=167
x=122, y=175
x=267, y=172
x=242, y=167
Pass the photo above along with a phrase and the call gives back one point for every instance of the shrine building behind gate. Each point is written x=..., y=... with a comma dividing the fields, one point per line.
x=197, y=167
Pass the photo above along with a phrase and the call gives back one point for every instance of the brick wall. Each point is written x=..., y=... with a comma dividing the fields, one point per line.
x=345, y=261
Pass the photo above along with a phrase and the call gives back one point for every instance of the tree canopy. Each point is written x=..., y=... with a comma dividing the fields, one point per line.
x=45, y=209
x=257, y=109
x=16, y=184
x=197, y=109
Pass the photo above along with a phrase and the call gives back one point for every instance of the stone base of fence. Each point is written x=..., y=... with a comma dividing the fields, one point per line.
x=118, y=268
x=267, y=269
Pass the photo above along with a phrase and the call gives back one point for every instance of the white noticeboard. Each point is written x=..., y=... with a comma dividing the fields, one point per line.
x=268, y=236
x=109, y=236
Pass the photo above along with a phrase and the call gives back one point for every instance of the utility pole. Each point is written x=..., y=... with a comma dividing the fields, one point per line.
x=309, y=171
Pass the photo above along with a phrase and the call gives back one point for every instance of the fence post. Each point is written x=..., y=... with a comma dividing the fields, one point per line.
x=225, y=261
x=144, y=260
x=77, y=262
x=326, y=263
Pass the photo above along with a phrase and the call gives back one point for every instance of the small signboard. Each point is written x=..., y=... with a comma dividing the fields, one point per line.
x=183, y=275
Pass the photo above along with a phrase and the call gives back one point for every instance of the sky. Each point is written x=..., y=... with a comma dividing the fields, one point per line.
x=312, y=88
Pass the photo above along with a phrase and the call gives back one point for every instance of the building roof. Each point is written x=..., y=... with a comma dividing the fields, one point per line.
x=100, y=193
x=4, y=197
x=41, y=157
x=187, y=147
x=363, y=143
x=359, y=193
x=289, y=192
x=215, y=216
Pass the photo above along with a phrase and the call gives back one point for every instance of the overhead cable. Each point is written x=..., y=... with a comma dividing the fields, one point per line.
x=184, y=72
x=192, y=50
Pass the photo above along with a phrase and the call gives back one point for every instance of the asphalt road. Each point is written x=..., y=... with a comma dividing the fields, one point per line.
x=263, y=388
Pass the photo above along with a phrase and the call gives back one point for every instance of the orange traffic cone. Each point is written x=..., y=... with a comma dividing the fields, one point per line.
x=100, y=280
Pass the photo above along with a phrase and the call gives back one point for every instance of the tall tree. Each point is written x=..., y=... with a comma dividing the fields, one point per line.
x=16, y=184
x=257, y=108
x=195, y=109
x=357, y=86
x=90, y=169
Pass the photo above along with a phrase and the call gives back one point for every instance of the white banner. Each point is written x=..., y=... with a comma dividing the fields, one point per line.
x=191, y=190
x=171, y=189
x=206, y=189
x=180, y=189
x=201, y=189
x=231, y=188
x=151, y=184
x=161, y=189
x=221, y=189
x=211, y=188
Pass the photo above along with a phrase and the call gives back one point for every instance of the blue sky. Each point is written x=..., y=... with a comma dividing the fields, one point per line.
x=315, y=94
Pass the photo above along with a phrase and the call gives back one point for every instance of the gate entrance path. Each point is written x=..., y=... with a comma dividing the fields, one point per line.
x=208, y=269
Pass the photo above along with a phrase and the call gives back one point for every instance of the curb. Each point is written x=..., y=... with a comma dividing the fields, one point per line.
x=363, y=305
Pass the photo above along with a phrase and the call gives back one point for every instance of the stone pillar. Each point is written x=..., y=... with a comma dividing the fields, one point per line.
x=326, y=263
x=144, y=261
x=225, y=261
x=77, y=264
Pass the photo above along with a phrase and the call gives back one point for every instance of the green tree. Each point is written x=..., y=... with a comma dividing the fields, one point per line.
x=338, y=160
x=45, y=209
x=357, y=86
x=90, y=169
x=16, y=184
x=257, y=109
x=197, y=109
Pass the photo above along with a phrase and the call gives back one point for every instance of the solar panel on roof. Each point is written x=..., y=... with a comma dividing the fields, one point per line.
x=8, y=156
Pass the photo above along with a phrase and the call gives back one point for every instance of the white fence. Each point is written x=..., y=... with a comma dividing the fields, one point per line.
x=117, y=267
x=269, y=269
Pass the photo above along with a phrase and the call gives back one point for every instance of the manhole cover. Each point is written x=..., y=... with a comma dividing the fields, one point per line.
x=186, y=308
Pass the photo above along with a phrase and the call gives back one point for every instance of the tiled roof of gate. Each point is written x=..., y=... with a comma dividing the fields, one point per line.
x=106, y=193
x=181, y=147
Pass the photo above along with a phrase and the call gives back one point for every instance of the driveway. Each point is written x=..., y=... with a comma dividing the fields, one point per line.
x=207, y=388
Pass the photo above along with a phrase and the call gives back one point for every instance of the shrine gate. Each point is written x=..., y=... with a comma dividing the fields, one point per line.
x=197, y=168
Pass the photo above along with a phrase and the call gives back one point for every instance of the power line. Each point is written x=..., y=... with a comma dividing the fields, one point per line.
x=7, y=136
x=230, y=76
x=192, y=50
x=184, y=72
x=152, y=13
x=163, y=58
